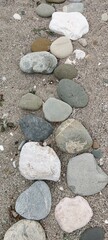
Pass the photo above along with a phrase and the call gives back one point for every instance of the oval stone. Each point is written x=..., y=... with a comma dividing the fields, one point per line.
x=72, y=137
x=45, y=10
x=35, y=202
x=35, y=128
x=41, y=44
x=56, y=110
x=30, y=102
x=65, y=71
x=72, y=93
x=96, y=233
x=25, y=229
x=38, y=62
x=61, y=47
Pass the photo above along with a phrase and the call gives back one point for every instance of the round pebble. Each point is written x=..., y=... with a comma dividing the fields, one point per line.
x=65, y=71
x=45, y=10
x=30, y=102
x=61, y=47
x=41, y=44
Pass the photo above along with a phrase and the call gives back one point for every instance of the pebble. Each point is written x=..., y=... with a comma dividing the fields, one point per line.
x=16, y=16
x=74, y=7
x=83, y=42
x=56, y=110
x=24, y=229
x=97, y=153
x=95, y=144
x=72, y=93
x=61, y=47
x=41, y=44
x=104, y=17
x=1, y=148
x=56, y=1
x=79, y=54
x=38, y=62
x=73, y=213
x=73, y=25
x=39, y=162
x=45, y=10
x=35, y=128
x=84, y=176
x=35, y=202
x=72, y=137
x=95, y=233
x=30, y=102
x=65, y=71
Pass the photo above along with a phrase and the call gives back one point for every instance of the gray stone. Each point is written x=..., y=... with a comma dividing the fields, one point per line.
x=35, y=202
x=83, y=42
x=72, y=137
x=74, y=7
x=65, y=71
x=72, y=93
x=84, y=176
x=45, y=10
x=30, y=102
x=25, y=230
x=55, y=110
x=96, y=233
x=35, y=128
x=61, y=47
x=104, y=17
x=38, y=62
x=97, y=153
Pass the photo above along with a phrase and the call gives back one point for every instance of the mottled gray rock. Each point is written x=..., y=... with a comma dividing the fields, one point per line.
x=74, y=7
x=65, y=71
x=35, y=128
x=56, y=110
x=25, y=230
x=72, y=137
x=39, y=162
x=30, y=102
x=72, y=93
x=38, y=62
x=84, y=176
x=35, y=202
x=96, y=233
x=73, y=213
x=45, y=10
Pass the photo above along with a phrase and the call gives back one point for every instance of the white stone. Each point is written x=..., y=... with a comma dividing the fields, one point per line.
x=61, y=47
x=73, y=213
x=73, y=25
x=1, y=148
x=17, y=16
x=104, y=17
x=38, y=162
x=79, y=54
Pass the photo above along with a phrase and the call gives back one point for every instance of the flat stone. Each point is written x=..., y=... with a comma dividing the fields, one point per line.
x=72, y=137
x=73, y=25
x=84, y=176
x=30, y=102
x=72, y=93
x=56, y=1
x=41, y=44
x=74, y=7
x=56, y=110
x=45, y=10
x=35, y=128
x=65, y=71
x=83, y=42
x=35, y=202
x=38, y=62
x=61, y=47
x=96, y=233
x=24, y=229
x=73, y=213
x=39, y=162
x=97, y=153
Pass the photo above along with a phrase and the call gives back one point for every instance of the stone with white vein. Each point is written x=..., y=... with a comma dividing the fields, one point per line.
x=73, y=25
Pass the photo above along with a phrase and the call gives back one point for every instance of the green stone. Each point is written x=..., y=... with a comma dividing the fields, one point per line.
x=65, y=71
x=30, y=102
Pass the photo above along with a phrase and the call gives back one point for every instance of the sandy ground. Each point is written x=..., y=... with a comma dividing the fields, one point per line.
x=15, y=40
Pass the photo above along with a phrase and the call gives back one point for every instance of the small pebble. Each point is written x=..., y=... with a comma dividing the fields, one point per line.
x=83, y=42
x=1, y=148
x=106, y=221
x=97, y=153
x=61, y=188
x=79, y=54
x=14, y=164
x=101, y=162
x=17, y=16
x=104, y=17
x=95, y=144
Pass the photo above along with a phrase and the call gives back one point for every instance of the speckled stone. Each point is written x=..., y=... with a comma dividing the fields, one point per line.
x=35, y=202
x=84, y=176
x=96, y=233
x=72, y=93
x=65, y=71
x=45, y=10
x=41, y=44
x=30, y=102
x=25, y=230
x=72, y=137
x=35, y=128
